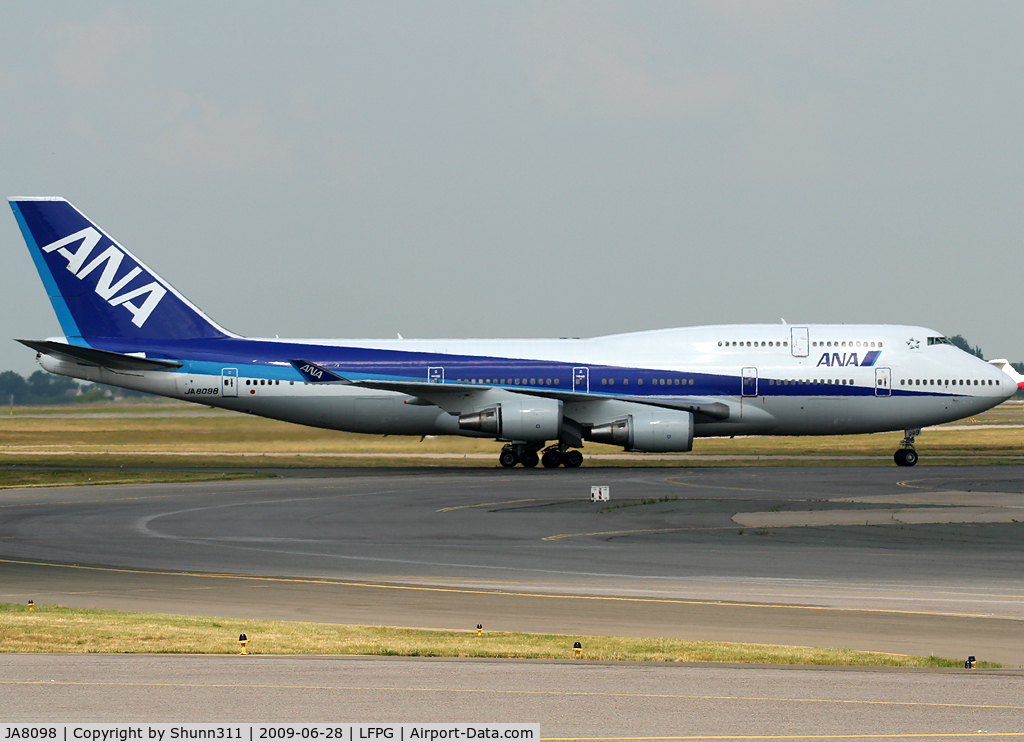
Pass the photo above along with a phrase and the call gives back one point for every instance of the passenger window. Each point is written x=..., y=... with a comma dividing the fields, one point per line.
x=785, y=344
x=556, y=382
x=547, y=382
x=719, y=343
x=639, y=381
x=690, y=382
x=604, y=382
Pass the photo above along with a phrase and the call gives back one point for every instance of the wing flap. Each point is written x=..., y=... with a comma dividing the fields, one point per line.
x=440, y=393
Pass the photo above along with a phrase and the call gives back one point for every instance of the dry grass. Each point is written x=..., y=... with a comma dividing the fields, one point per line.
x=11, y=478
x=58, y=629
x=226, y=439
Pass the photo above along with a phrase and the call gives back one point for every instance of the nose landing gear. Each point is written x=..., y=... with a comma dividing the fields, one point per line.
x=907, y=455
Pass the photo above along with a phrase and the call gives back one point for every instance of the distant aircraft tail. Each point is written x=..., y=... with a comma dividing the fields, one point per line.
x=99, y=289
x=1004, y=365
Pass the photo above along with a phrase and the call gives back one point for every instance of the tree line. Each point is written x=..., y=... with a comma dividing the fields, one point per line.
x=42, y=388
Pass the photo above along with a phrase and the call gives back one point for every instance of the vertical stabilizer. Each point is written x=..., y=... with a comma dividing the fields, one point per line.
x=99, y=289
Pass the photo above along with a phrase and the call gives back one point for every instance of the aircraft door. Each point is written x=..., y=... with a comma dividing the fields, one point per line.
x=749, y=381
x=800, y=342
x=435, y=374
x=883, y=382
x=581, y=379
x=229, y=382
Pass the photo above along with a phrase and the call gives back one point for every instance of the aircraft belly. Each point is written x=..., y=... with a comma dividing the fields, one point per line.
x=851, y=415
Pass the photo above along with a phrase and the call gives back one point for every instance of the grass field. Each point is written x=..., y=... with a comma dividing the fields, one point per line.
x=57, y=629
x=179, y=434
x=12, y=478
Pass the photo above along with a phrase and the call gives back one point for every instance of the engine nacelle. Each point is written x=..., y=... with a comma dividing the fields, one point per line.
x=655, y=431
x=526, y=419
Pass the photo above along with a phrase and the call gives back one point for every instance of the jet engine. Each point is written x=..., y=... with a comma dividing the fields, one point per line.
x=525, y=419
x=652, y=430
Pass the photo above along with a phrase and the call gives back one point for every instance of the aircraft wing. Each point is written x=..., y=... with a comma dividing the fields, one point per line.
x=446, y=394
x=101, y=358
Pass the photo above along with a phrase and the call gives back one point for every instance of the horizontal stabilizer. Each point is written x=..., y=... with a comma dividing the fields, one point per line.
x=101, y=358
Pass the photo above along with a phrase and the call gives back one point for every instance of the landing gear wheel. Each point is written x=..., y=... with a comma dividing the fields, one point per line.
x=508, y=459
x=529, y=459
x=551, y=459
x=905, y=457
x=572, y=459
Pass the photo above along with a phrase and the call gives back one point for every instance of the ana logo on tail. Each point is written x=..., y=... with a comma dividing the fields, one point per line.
x=106, y=286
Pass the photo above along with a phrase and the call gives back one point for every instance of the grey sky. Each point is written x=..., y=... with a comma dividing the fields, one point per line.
x=491, y=169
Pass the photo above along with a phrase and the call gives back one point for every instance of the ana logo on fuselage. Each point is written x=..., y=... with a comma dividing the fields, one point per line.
x=106, y=286
x=848, y=359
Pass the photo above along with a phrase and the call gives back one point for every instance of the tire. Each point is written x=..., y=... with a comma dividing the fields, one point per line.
x=909, y=457
x=900, y=457
x=508, y=459
x=551, y=459
x=529, y=459
x=572, y=459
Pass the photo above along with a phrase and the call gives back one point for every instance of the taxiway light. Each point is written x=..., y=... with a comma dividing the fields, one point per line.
x=243, y=640
x=577, y=649
x=31, y=605
x=479, y=629
x=970, y=662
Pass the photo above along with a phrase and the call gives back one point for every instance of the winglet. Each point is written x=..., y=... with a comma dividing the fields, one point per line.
x=1004, y=365
x=313, y=373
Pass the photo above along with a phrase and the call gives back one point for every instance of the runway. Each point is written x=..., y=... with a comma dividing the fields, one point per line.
x=527, y=550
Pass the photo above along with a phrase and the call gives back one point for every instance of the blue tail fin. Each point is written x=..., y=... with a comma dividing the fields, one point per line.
x=98, y=288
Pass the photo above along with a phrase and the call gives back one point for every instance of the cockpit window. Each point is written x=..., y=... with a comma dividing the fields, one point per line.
x=939, y=341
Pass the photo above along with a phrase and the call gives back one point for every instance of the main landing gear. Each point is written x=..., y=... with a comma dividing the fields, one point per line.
x=907, y=455
x=551, y=457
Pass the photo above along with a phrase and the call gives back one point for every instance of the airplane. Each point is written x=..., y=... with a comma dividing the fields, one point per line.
x=649, y=391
